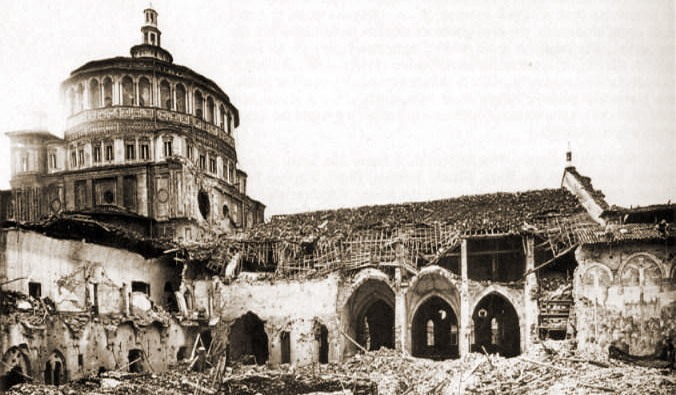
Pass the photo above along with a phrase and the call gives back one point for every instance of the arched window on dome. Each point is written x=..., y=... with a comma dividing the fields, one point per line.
x=211, y=110
x=94, y=94
x=145, y=94
x=127, y=91
x=107, y=92
x=79, y=101
x=199, y=105
x=165, y=96
x=180, y=98
x=222, y=116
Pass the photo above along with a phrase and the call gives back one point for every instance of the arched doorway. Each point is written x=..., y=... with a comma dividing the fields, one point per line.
x=496, y=326
x=323, y=344
x=434, y=330
x=135, y=359
x=15, y=368
x=55, y=369
x=248, y=338
x=369, y=316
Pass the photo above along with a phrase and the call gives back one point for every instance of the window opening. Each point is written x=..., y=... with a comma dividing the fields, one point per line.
x=130, y=151
x=430, y=333
x=285, y=338
x=35, y=290
x=167, y=149
x=110, y=155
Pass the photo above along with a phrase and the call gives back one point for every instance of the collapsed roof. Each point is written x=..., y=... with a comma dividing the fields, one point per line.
x=493, y=213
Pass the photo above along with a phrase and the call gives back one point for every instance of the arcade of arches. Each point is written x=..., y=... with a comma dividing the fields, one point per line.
x=434, y=320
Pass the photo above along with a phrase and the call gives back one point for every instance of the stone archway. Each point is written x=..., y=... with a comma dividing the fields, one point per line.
x=434, y=330
x=55, y=369
x=496, y=326
x=15, y=368
x=368, y=316
x=248, y=338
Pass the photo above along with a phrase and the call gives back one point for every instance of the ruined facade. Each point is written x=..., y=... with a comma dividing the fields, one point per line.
x=130, y=243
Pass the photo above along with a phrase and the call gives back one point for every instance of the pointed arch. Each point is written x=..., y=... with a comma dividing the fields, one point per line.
x=15, y=367
x=630, y=268
x=368, y=315
x=55, y=369
x=434, y=328
x=496, y=326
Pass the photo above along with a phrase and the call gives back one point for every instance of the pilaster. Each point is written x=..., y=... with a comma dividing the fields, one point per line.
x=465, y=314
x=531, y=312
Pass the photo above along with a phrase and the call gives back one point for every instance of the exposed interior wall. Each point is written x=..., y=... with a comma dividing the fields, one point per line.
x=624, y=296
x=292, y=306
x=80, y=276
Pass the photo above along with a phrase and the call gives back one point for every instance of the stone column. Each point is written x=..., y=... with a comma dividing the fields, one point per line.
x=531, y=311
x=465, y=314
x=400, y=327
x=137, y=94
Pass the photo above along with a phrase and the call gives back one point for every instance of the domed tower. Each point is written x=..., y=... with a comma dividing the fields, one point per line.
x=148, y=144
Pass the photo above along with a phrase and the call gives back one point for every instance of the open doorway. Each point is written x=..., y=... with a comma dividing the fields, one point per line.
x=248, y=338
x=496, y=326
x=55, y=371
x=135, y=359
x=434, y=330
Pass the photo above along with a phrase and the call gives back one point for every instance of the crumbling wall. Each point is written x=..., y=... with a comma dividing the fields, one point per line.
x=89, y=345
x=79, y=276
x=292, y=306
x=624, y=296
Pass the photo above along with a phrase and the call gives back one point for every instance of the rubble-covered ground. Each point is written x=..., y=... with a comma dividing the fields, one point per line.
x=549, y=368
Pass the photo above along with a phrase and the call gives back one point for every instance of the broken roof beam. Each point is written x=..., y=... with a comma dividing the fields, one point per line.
x=540, y=266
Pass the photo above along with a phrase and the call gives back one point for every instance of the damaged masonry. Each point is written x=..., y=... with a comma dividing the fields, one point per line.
x=130, y=250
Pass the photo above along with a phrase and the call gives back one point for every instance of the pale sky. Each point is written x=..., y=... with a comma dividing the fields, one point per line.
x=348, y=103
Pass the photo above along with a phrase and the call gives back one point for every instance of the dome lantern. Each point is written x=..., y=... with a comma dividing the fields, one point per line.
x=150, y=47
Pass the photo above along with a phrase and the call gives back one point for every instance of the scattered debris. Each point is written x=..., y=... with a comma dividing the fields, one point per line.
x=551, y=367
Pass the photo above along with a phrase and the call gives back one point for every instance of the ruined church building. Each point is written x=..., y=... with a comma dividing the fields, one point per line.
x=132, y=240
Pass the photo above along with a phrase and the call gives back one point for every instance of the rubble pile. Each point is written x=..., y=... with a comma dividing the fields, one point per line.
x=551, y=367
